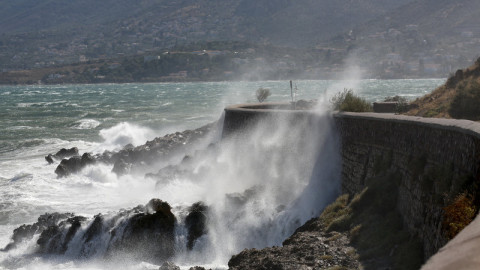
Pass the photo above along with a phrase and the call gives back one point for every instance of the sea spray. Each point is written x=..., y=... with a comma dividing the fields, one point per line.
x=125, y=133
x=266, y=181
x=97, y=190
x=259, y=186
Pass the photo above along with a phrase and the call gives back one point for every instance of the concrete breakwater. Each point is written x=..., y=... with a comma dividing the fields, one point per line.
x=434, y=160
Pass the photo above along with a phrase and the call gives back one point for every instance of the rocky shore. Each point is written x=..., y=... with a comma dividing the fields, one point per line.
x=145, y=232
x=130, y=157
x=310, y=247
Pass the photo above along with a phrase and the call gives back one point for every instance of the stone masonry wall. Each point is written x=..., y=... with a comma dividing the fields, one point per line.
x=435, y=158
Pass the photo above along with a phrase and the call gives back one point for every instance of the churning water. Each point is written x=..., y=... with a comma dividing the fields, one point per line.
x=258, y=189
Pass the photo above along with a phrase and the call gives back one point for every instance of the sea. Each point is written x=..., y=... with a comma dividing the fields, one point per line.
x=37, y=120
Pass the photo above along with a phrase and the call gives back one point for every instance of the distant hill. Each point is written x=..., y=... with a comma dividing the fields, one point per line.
x=36, y=33
x=457, y=98
x=281, y=21
x=423, y=37
x=380, y=38
x=442, y=18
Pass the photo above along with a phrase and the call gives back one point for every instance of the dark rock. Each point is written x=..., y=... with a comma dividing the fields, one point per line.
x=197, y=268
x=49, y=239
x=128, y=147
x=62, y=171
x=169, y=266
x=144, y=232
x=310, y=247
x=75, y=225
x=121, y=167
x=64, y=153
x=49, y=158
x=95, y=229
x=196, y=223
x=105, y=157
x=157, y=205
x=26, y=232
x=69, y=166
x=123, y=160
x=147, y=235
x=87, y=159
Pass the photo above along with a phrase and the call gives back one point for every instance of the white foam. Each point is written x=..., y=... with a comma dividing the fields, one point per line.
x=125, y=133
x=86, y=124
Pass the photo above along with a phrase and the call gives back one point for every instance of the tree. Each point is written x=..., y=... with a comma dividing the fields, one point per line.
x=262, y=94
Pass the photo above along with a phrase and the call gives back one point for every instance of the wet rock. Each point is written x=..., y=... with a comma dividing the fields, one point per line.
x=49, y=158
x=196, y=223
x=121, y=167
x=128, y=147
x=49, y=239
x=145, y=233
x=95, y=229
x=55, y=238
x=69, y=166
x=310, y=247
x=75, y=225
x=152, y=151
x=62, y=154
x=169, y=266
x=26, y=232
x=65, y=153
x=87, y=159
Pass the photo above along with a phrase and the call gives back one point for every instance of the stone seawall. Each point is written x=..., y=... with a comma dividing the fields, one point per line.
x=435, y=160
x=239, y=118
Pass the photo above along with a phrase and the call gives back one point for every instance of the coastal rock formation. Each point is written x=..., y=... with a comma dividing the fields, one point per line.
x=169, y=266
x=26, y=232
x=144, y=233
x=161, y=148
x=310, y=247
x=63, y=153
x=74, y=164
x=196, y=223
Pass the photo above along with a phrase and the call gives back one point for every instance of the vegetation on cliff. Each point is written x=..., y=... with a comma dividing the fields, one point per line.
x=459, y=214
x=347, y=101
x=457, y=98
x=364, y=231
x=374, y=226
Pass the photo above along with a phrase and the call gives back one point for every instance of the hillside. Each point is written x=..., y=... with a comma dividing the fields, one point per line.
x=385, y=39
x=421, y=38
x=457, y=98
x=47, y=32
x=210, y=61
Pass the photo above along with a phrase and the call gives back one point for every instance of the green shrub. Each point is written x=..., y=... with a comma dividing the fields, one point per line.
x=262, y=94
x=347, y=101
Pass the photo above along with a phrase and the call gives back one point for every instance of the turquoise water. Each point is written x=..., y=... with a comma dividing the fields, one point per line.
x=31, y=114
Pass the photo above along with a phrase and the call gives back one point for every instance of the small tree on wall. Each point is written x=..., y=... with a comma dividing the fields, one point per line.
x=262, y=94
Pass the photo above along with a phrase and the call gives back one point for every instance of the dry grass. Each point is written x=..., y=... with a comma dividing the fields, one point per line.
x=374, y=226
x=435, y=104
x=452, y=97
x=458, y=215
x=326, y=257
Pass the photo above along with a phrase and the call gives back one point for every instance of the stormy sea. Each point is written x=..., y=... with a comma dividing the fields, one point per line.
x=129, y=176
